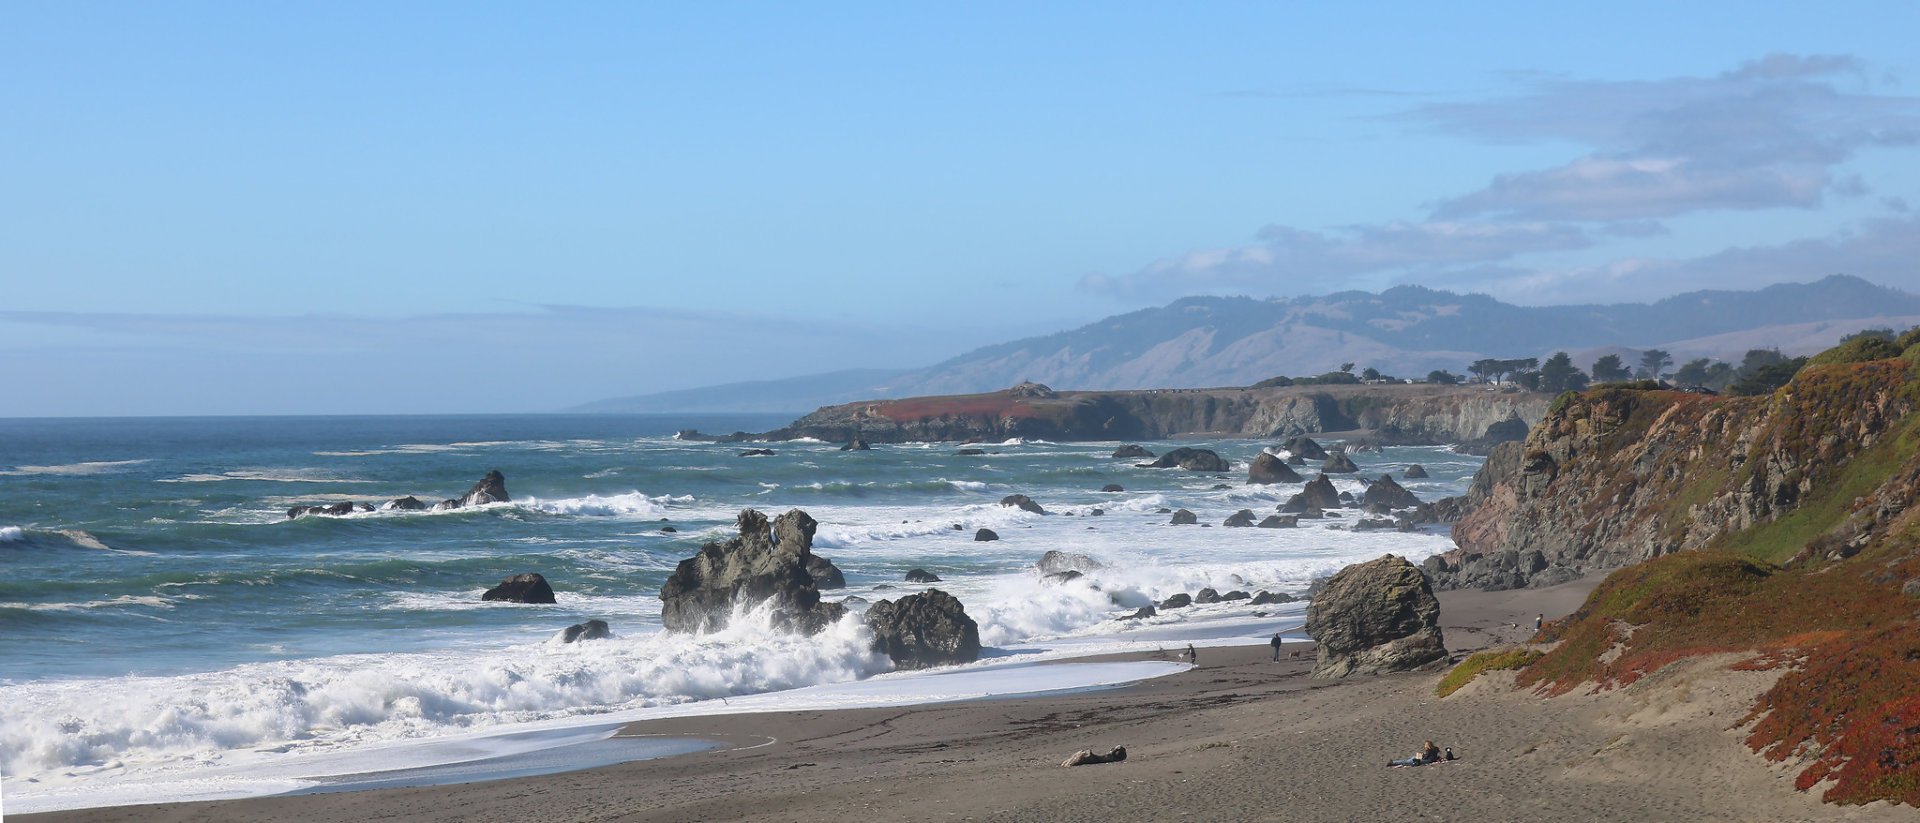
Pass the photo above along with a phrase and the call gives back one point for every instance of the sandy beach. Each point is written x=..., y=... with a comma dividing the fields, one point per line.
x=1238, y=738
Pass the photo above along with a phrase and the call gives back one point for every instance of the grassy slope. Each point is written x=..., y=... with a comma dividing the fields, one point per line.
x=1791, y=591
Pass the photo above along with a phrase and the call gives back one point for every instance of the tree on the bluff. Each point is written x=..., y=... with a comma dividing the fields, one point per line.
x=1654, y=362
x=1609, y=369
x=1559, y=374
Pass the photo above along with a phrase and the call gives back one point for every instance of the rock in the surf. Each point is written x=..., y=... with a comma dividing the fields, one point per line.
x=1268, y=469
x=1416, y=472
x=1054, y=562
x=757, y=453
x=1132, y=451
x=1178, y=601
x=1280, y=521
x=521, y=588
x=921, y=576
x=761, y=564
x=1375, y=617
x=1319, y=494
x=1193, y=460
x=590, y=630
x=1339, y=463
x=491, y=489
x=1386, y=492
x=405, y=504
x=825, y=574
x=1185, y=518
x=1305, y=448
x=985, y=536
x=856, y=445
x=1112, y=487
x=922, y=630
x=1023, y=503
x=1242, y=519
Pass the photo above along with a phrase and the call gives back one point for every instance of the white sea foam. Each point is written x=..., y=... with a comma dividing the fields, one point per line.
x=73, y=469
x=12, y=534
x=630, y=504
x=116, y=602
x=263, y=476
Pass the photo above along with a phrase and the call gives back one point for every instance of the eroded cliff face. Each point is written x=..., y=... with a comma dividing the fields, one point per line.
x=1613, y=476
x=1393, y=414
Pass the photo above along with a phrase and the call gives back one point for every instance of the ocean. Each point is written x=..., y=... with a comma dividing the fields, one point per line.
x=166, y=632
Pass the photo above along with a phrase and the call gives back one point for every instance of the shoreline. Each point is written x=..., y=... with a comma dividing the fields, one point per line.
x=1237, y=738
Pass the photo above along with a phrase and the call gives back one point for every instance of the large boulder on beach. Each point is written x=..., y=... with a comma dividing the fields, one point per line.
x=761, y=564
x=1385, y=492
x=1306, y=448
x=1375, y=617
x=825, y=574
x=1319, y=494
x=1267, y=469
x=1339, y=463
x=923, y=630
x=1023, y=503
x=1055, y=562
x=1193, y=460
x=590, y=630
x=521, y=588
x=1132, y=451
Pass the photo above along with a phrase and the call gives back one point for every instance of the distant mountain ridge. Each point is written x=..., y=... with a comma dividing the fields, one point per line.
x=1406, y=330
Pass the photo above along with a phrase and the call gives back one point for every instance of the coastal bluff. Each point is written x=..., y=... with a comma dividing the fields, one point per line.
x=1402, y=414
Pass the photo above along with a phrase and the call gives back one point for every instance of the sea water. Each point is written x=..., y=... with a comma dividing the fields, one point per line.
x=167, y=632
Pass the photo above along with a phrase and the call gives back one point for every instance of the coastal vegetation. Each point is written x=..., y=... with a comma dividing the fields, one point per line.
x=1782, y=529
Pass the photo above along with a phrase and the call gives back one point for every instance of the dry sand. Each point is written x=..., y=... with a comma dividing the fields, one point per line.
x=1239, y=738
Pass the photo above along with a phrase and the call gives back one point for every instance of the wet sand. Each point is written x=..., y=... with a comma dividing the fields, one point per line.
x=1238, y=738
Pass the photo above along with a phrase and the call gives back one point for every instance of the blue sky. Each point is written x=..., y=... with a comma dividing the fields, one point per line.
x=340, y=208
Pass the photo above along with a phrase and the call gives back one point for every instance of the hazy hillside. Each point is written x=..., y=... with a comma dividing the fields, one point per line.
x=1407, y=331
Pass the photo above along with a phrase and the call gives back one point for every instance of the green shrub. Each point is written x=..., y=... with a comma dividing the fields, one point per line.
x=1470, y=668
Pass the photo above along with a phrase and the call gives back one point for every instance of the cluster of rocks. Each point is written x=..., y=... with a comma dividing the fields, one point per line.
x=490, y=489
x=1209, y=596
x=773, y=564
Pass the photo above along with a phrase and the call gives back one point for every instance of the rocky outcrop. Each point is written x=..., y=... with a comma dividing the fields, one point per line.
x=1375, y=617
x=985, y=536
x=924, y=630
x=1319, y=494
x=760, y=565
x=1185, y=518
x=1242, y=519
x=1055, y=562
x=1023, y=503
x=1267, y=469
x=1305, y=448
x=1416, y=472
x=1385, y=492
x=856, y=445
x=1193, y=460
x=590, y=630
x=825, y=575
x=1615, y=476
x=491, y=489
x=1339, y=463
x=404, y=504
x=1132, y=451
x=329, y=509
x=921, y=576
x=521, y=588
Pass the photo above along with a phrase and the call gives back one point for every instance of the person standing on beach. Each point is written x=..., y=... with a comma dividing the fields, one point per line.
x=1537, y=621
x=1193, y=656
x=1276, y=647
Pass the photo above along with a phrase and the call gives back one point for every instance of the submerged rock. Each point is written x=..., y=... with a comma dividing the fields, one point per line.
x=761, y=564
x=1112, y=487
x=1178, y=601
x=1268, y=469
x=1132, y=451
x=1375, y=617
x=923, y=630
x=590, y=630
x=856, y=445
x=521, y=588
x=404, y=504
x=1271, y=598
x=1141, y=614
x=1061, y=577
x=1280, y=521
x=757, y=453
x=971, y=452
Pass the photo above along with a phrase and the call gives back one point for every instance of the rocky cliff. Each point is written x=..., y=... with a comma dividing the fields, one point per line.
x=1615, y=476
x=1390, y=413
